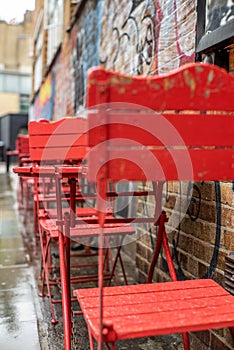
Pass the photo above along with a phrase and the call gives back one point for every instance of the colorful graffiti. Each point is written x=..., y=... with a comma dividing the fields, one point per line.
x=127, y=42
x=85, y=51
x=137, y=37
x=43, y=105
x=176, y=22
x=149, y=36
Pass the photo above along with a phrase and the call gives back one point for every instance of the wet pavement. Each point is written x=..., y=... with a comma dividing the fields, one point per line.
x=18, y=309
x=24, y=316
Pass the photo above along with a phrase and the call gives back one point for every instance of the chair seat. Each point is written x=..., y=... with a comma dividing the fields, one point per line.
x=14, y=152
x=87, y=230
x=52, y=212
x=157, y=309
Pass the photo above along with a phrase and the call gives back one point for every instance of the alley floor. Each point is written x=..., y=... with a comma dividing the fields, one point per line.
x=19, y=308
x=24, y=316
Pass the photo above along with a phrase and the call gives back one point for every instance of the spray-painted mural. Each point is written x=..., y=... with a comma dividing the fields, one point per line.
x=127, y=41
x=85, y=50
x=43, y=106
x=175, y=33
x=149, y=37
x=137, y=37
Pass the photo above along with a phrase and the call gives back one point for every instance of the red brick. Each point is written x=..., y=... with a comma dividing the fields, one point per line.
x=229, y=240
x=227, y=193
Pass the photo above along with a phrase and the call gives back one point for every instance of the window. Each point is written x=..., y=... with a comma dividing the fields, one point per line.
x=15, y=82
x=37, y=72
x=24, y=103
x=38, y=45
x=54, y=26
x=215, y=31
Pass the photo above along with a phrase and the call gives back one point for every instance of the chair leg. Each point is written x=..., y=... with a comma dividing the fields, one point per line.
x=91, y=341
x=162, y=240
x=185, y=337
x=45, y=249
x=65, y=293
x=42, y=268
x=67, y=260
x=157, y=249
x=110, y=347
x=168, y=257
x=118, y=257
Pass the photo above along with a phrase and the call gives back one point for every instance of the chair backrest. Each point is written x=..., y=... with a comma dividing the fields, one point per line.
x=23, y=144
x=177, y=126
x=62, y=141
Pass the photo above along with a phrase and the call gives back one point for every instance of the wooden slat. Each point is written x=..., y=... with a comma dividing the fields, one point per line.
x=162, y=165
x=58, y=154
x=55, y=140
x=150, y=129
x=192, y=86
x=62, y=126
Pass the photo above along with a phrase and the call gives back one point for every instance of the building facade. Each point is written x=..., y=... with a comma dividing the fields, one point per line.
x=144, y=37
x=16, y=65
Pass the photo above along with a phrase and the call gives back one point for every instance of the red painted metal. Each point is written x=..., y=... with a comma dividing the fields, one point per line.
x=158, y=308
x=194, y=126
x=52, y=145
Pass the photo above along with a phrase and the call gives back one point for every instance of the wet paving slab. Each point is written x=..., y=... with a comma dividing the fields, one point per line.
x=18, y=318
x=25, y=318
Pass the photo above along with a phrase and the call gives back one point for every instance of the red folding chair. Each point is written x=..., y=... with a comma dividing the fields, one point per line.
x=189, y=138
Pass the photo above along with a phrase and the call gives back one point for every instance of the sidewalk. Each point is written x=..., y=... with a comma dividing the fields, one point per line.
x=18, y=302
x=24, y=316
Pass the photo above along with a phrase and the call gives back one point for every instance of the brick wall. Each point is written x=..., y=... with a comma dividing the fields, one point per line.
x=62, y=73
x=133, y=37
x=146, y=37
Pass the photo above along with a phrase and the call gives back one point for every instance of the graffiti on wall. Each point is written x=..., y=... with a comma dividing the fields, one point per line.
x=137, y=37
x=176, y=20
x=85, y=51
x=148, y=37
x=43, y=105
x=127, y=41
